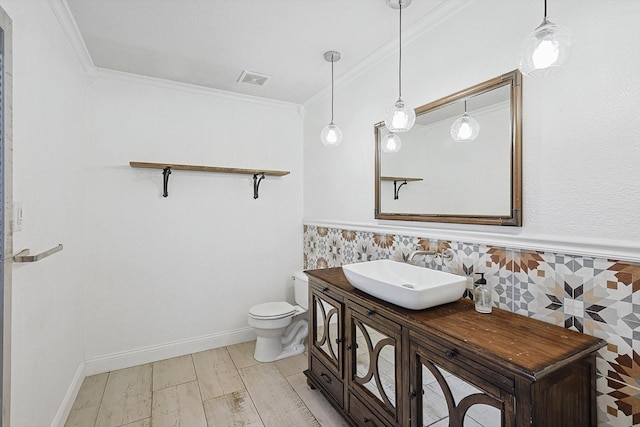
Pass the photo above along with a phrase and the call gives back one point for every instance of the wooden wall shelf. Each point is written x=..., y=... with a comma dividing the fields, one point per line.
x=258, y=174
x=399, y=178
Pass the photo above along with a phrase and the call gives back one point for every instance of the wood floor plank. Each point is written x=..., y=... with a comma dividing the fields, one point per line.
x=275, y=397
x=276, y=401
x=178, y=405
x=234, y=409
x=217, y=374
x=142, y=423
x=293, y=365
x=83, y=417
x=127, y=397
x=319, y=406
x=171, y=372
x=242, y=354
x=91, y=391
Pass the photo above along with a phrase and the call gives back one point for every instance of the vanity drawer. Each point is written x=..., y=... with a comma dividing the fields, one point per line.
x=323, y=289
x=329, y=381
x=362, y=415
x=374, y=316
x=449, y=355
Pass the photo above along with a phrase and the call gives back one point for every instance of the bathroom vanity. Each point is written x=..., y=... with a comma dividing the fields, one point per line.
x=383, y=365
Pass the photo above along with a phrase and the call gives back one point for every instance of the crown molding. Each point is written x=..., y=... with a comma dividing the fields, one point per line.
x=64, y=16
x=598, y=248
x=105, y=73
x=430, y=21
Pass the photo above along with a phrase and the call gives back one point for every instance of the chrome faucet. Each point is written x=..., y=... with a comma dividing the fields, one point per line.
x=446, y=254
x=414, y=254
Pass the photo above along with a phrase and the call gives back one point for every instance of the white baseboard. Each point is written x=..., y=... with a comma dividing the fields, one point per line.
x=139, y=356
x=69, y=397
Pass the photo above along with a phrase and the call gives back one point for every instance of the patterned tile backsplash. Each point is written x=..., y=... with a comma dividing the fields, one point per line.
x=596, y=296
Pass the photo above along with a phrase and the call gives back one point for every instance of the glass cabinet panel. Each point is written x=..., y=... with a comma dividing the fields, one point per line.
x=374, y=368
x=445, y=399
x=327, y=329
x=378, y=377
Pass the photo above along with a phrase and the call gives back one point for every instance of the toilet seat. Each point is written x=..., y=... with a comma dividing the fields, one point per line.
x=272, y=310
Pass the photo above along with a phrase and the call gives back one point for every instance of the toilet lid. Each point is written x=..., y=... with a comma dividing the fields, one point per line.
x=272, y=309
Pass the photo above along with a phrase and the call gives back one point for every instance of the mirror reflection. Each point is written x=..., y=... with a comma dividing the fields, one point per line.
x=436, y=409
x=375, y=363
x=327, y=328
x=459, y=163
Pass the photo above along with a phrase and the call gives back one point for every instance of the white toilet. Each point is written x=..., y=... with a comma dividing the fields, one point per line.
x=281, y=327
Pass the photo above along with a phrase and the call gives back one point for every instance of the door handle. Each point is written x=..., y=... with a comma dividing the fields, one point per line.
x=23, y=256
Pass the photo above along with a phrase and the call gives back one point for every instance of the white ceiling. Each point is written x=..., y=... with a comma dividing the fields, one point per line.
x=211, y=42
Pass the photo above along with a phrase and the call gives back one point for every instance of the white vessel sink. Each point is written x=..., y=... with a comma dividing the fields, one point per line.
x=406, y=285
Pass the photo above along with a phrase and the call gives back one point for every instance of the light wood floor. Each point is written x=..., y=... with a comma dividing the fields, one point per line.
x=223, y=387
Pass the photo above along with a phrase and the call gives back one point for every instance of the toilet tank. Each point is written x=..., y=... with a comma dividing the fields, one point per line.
x=301, y=289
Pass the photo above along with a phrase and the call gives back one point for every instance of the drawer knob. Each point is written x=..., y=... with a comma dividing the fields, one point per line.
x=325, y=290
x=449, y=354
x=412, y=395
x=326, y=378
x=370, y=313
x=338, y=340
x=368, y=422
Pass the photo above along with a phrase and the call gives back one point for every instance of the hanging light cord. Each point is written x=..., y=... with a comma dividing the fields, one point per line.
x=400, y=51
x=332, y=60
x=465, y=106
x=545, y=10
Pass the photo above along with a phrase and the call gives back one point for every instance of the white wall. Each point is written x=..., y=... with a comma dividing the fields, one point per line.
x=188, y=266
x=581, y=145
x=141, y=277
x=50, y=142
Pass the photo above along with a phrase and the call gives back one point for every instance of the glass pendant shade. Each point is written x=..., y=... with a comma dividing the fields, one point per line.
x=331, y=135
x=544, y=51
x=400, y=117
x=465, y=129
x=391, y=143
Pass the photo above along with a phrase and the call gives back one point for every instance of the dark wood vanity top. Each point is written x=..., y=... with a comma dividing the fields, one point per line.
x=523, y=345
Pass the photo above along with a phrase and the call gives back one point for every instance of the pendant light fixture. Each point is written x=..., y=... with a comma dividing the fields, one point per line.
x=331, y=135
x=544, y=51
x=465, y=128
x=391, y=143
x=400, y=117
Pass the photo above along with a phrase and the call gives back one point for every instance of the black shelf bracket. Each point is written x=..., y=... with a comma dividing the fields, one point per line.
x=256, y=184
x=165, y=173
x=396, y=189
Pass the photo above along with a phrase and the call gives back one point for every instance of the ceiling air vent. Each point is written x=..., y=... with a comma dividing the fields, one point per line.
x=253, y=78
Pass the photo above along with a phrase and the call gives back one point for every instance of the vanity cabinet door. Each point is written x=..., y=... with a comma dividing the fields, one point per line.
x=326, y=318
x=444, y=391
x=374, y=371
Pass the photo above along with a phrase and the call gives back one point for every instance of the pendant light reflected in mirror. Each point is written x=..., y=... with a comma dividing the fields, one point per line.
x=465, y=128
x=400, y=117
x=544, y=51
x=391, y=143
x=331, y=135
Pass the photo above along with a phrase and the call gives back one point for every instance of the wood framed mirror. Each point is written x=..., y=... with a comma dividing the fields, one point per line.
x=437, y=179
